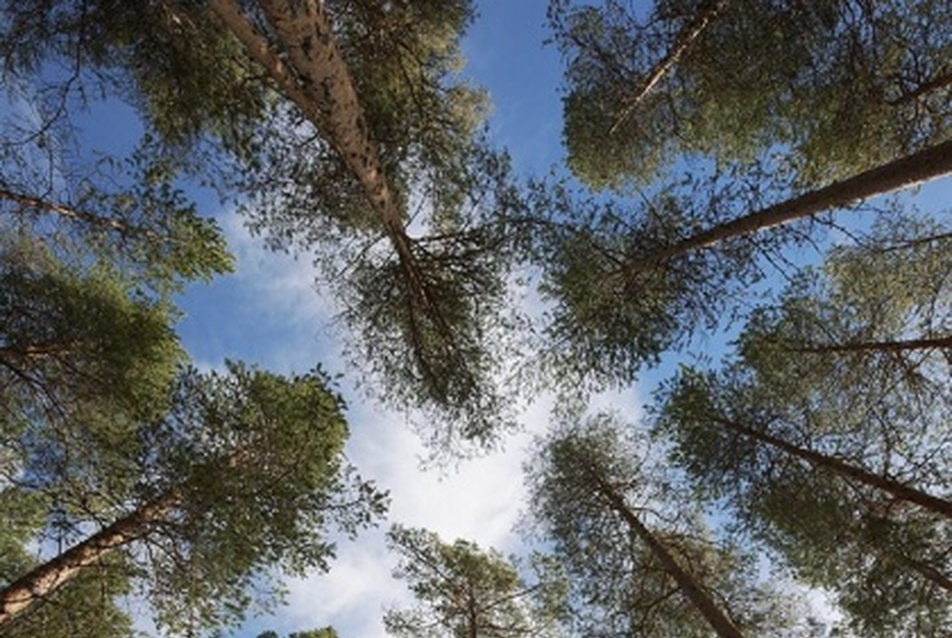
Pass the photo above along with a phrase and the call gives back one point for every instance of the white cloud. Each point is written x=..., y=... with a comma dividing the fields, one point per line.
x=479, y=499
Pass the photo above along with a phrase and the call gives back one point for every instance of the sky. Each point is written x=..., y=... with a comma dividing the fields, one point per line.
x=269, y=312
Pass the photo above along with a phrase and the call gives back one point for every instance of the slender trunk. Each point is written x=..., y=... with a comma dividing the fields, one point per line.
x=316, y=78
x=930, y=573
x=688, y=585
x=836, y=466
x=923, y=89
x=256, y=46
x=69, y=212
x=306, y=34
x=925, y=165
x=875, y=346
x=33, y=350
x=45, y=579
x=685, y=39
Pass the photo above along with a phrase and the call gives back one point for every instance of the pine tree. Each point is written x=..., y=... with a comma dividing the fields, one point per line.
x=242, y=475
x=845, y=85
x=631, y=280
x=639, y=557
x=833, y=454
x=463, y=591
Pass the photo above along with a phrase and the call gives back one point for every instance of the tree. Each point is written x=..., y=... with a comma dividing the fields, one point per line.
x=394, y=119
x=885, y=557
x=86, y=607
x=732, y=79
x=326, y=632
x=638, y=563
x=84, y=359
x=630, y=284
x=145, y=227
x=464, y=592
x=830, y=453
x=335, y=171
x=241, y=476
x=393, y=142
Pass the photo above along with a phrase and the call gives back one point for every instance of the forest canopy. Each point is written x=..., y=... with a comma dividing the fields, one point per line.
x=732, y=235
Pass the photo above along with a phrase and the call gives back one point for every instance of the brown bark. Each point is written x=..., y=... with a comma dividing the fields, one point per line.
x=688, y=585
x=876, y=346
x=930, y=573
x=923, y=89
x=53, y=574
x=317, y=79
x=685, y=39
x=910, y=171
x=841, y=468
x=68, y=212
x=33, y=350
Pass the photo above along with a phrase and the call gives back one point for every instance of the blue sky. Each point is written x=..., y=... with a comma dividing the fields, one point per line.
x=268, y=312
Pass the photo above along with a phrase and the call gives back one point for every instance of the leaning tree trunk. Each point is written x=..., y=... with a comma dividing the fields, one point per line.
x=930, y=573
x=68, y=212
x=316, y=78
x=45, y=579
x=910, y=171
x=841, y=468
x=688, y=585
x=685, y=39
x=925, y=343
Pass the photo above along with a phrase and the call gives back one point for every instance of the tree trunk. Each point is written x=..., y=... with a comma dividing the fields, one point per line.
x=685, y=39
x=318, y=81
x=925, y=165
x=926, y=88
x=688, y=585
x=930, y=573
x=34, y=350
x=875, y=346
x=45, y=579
x=69, y=212
x=836, y=466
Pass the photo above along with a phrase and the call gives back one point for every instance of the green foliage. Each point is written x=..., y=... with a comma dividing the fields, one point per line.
x=207, y=107
x=463, y=591
x=326, y=632
x=845, y=85
x=176, y=64
x=616, y=307
x=800, y=376
x=86, y=607
x=256, y=459
x=619, y=584
x=83, y=360
x=70, y=335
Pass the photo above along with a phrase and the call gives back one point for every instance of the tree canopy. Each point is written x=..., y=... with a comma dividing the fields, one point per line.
x=740, y=177
x=843, y=86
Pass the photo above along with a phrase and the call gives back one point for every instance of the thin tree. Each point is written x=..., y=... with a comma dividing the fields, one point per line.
x=691, y=31
x=245, y=473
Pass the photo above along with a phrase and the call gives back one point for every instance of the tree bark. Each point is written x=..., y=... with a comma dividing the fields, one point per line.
x=926, y=88
x=317, y=79
x=688, y=585
x=685, y=39
x=910, y=171
x=69, y=212
x=930, y=573
x=841, y=468
x=875, y=346
x=45, y=579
